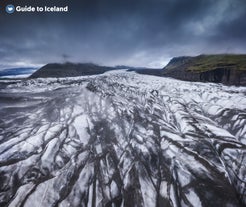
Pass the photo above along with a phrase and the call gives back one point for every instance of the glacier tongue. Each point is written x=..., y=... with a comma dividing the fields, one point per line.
x=122, y=139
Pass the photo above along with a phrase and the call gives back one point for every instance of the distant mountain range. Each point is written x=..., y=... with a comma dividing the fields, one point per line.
x=13, y=72
x=225, y=68
x=82, y=69
x=69, y=70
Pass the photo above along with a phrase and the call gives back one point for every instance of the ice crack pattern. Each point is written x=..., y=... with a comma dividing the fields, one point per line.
x=122, y=139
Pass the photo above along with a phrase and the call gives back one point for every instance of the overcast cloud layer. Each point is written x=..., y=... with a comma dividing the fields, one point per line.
x=130, y=32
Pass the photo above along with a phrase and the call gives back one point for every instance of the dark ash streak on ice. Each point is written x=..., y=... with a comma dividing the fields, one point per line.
x=122, y=139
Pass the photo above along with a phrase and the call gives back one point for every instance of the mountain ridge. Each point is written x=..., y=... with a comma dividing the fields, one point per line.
x=81, y=69
x=69, y=70
x=229, y=69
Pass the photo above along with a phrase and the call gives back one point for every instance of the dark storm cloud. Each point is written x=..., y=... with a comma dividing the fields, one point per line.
x=134, y=32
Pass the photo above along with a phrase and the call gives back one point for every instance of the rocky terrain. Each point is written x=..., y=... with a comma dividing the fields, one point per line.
x=122, y=139
x=226, y=69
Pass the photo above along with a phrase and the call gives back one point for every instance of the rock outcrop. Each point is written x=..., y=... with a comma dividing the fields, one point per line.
x=226, y=69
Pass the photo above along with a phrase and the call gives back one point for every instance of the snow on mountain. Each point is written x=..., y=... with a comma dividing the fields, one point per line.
x=122, y=139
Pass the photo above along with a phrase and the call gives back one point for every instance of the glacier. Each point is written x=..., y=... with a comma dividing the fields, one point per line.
x=122, y=139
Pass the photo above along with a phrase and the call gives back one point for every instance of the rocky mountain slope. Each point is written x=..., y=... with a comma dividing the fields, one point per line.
x=122, y=139
x=226, y=69
x=69, y=70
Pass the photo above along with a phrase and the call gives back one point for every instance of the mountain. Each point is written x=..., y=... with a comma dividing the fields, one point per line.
x=69, y=70
x=228, y=69
x=81, y=69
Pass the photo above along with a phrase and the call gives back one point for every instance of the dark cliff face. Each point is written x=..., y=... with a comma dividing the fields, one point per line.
x=226, y=69
x=224, y=75
x=69, y=70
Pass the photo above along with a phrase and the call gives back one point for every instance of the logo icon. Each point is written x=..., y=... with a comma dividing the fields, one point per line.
x=10, y=9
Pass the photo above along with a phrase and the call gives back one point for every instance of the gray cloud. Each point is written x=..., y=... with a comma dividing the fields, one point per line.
x=134, y=32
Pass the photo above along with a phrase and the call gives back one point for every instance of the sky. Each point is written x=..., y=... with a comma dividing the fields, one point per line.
x=144, y=33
